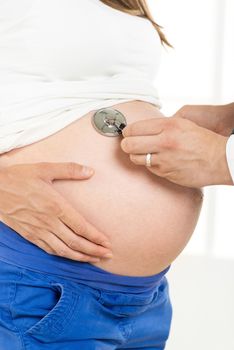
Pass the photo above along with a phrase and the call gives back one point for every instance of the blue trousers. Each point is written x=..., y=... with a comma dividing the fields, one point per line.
x=39, y=311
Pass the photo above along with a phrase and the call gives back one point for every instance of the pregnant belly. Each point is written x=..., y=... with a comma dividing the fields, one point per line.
x=148, y=220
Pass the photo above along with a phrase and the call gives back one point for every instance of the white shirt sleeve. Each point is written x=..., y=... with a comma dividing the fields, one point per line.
x=230, y=155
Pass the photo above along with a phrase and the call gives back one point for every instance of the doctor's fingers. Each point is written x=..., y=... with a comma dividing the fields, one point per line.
x=146, y=127
x=140, y=159
x=147, y=144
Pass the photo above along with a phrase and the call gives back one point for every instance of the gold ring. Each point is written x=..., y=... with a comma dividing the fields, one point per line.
x=148, y=159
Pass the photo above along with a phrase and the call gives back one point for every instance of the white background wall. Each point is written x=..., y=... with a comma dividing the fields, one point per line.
x=200, y=70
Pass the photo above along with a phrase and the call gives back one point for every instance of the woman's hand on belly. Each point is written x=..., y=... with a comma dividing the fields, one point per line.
x=33, y=208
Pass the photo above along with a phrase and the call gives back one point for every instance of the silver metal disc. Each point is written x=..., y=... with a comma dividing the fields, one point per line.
x=109, y=121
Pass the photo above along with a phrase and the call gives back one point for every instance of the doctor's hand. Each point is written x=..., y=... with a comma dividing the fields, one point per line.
x=219, y=119
x=182, y=152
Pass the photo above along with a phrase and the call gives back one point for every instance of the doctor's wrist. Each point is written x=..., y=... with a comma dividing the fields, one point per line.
x=226, y=119
x=221, y=173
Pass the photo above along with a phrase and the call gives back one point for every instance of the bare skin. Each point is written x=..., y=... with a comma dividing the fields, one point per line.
x=148, y=220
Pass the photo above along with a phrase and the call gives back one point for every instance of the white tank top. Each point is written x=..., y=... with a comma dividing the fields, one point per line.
x=60, y=59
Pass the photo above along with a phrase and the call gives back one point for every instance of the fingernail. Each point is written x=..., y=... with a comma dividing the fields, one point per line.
x=108, y=255
x=87, y=171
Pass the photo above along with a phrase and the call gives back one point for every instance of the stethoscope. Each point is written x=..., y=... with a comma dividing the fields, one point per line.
x=109, y=121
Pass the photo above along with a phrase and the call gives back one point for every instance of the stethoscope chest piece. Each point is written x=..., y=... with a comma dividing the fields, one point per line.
x=109, y=121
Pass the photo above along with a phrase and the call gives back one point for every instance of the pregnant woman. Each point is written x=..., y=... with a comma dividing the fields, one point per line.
x=82, y=258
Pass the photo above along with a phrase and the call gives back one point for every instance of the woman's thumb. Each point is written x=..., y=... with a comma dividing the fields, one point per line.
x=63, y=171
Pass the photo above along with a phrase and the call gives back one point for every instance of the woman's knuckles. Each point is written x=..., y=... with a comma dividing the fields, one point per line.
x=81, y=229
x=74, y=245
x=68, y=253
x=87, y=247
x=29, y=236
